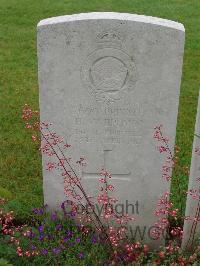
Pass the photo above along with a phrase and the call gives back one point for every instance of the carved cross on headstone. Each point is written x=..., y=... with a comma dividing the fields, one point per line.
x=120, y=174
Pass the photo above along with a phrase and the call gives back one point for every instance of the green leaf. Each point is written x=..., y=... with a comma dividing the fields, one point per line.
x=4, y=262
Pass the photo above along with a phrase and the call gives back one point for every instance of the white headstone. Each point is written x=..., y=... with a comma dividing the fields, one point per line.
x=191, y=229
x=106, y=80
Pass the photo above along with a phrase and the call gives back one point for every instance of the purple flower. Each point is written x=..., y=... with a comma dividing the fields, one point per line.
x=66, y=238
x=41, y=228
x=62, y=205
x=56, y=251
x=78, y=240
x=69, y=234
x=59, y=227
x=54, y=216
x=41, y=237
x=38, y=211
x=49, y=236
x=34, y=210
x=44, y=251
x=94, y=240
x=72, y=214
x=80, y=255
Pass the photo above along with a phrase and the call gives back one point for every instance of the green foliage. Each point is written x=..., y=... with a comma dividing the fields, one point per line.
x=20, y=163
x=52, y=240
x=8, y=252
x=65, y=243
x=4, y=262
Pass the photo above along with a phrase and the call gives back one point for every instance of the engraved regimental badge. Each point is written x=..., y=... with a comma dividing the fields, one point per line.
x=109, y=72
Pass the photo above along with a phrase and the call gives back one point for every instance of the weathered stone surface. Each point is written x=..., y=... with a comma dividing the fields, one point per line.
x=191, y=229
x=106, y=79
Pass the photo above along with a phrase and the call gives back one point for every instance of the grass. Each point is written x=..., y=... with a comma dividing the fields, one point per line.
x=20, y=163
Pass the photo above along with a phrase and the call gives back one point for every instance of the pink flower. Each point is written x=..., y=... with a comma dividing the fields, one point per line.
x=105, y=173
x=50, y=166
x=34, y=138
x=67, y=145
x=28, y=125
x=110, y=187
x=162, y=149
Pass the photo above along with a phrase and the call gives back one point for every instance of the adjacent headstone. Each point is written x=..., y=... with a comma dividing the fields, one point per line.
x=106, y=80
x=191, y=229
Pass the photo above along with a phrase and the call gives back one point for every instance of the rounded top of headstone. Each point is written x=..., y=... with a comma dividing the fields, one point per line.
x=112, y=16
